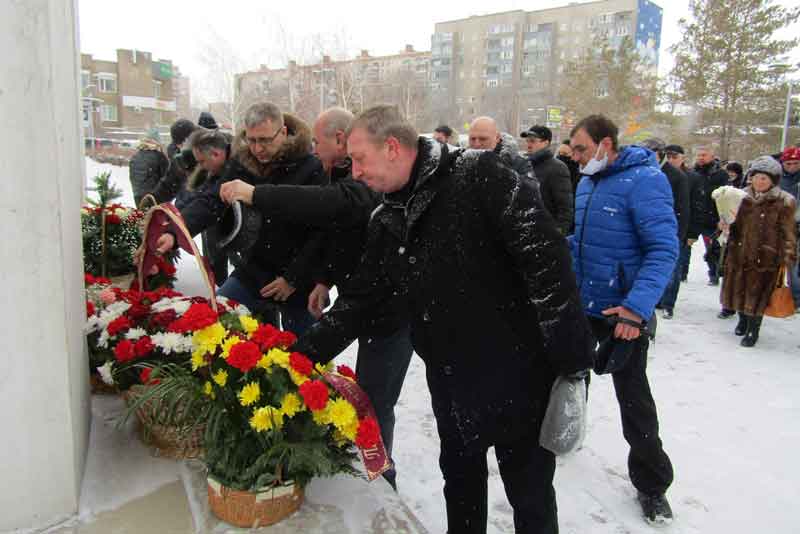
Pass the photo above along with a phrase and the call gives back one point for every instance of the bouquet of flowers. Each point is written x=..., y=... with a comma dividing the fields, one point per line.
x=271, y=418
x=111, y=232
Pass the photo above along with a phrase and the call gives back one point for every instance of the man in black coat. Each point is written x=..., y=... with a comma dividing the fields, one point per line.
x=147, y=166
x=463, y=244
x=484, y=135
x=679, y=183
x=274, y=260
x=704, y=210
x=342, y=209
x=555, y=183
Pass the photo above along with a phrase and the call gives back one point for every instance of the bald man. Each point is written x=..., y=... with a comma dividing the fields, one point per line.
x=484, y=135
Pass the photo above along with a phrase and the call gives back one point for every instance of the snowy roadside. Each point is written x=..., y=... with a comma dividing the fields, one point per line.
x=728, y=420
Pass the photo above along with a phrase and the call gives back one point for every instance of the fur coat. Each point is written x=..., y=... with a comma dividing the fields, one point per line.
x=762, y=239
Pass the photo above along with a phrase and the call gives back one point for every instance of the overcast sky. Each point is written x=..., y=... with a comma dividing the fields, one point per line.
x=182, y=31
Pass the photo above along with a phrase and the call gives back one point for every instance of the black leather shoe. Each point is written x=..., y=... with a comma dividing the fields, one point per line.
x=656, y=508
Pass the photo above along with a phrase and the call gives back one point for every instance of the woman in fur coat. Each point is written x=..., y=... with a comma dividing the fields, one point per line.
x=762, y=240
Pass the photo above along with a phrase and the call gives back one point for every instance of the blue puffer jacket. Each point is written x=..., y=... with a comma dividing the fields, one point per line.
x=625, y=246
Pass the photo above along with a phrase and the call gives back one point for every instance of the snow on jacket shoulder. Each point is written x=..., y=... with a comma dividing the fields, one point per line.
x=625, y=243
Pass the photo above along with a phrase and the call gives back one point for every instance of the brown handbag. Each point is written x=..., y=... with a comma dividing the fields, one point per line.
x=781, y=302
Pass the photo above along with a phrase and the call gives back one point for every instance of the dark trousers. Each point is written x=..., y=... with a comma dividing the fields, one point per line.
x=381, y=369
x=671, y=291
x=216, y=257
x=649, y=466
x=712, y=254
x=527, y=471
x=291, y=315
x=684, y=259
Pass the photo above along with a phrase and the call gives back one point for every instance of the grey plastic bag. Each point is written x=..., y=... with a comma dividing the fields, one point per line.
x=564, y=425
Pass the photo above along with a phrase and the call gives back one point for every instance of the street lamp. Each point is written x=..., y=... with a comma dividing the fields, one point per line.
x=787, y=115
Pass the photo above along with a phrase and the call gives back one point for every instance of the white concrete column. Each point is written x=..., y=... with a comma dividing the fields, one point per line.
x=44, y=401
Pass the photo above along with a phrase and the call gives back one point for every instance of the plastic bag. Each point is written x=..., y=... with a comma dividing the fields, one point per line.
x=564, y=426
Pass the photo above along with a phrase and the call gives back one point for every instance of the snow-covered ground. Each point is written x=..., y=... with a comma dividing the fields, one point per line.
x=729, y=416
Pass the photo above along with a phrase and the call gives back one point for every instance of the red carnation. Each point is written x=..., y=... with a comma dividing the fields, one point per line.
x=315, y=394
x=124, y=351
x=198, y=316
x=137, y=311
x=117, y=325
x=244, y=356
x=265, y=336
x=144, y=377
x=88, y=279
x=113, y=218
x=368, y=433
x=89, y=308
x=301, y=363
x=346, y=371
x=163, y=319
x=103, y=281
x=143, y=346
x=164, y=266
x=285, y=339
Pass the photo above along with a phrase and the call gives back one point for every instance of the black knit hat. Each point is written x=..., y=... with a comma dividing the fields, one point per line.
x=538, y=132
x=207, y=121
x=180, y=130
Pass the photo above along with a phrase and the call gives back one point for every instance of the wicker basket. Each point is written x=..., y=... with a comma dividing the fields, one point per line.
x=168, y=441
x=254, y=509
x=98, y=387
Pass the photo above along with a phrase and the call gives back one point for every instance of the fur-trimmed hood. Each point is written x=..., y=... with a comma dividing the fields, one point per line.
x=296, y=146
x=774, y=193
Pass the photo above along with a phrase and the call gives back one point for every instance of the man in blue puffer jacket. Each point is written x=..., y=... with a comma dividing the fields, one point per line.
x=624, y=251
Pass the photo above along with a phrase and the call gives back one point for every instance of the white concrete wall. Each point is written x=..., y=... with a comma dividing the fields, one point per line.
x=44, y=401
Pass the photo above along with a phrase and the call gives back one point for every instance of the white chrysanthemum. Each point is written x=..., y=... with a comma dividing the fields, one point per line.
x=135, y=333
x=172, y=342
x=105, y=373
x=102, y=341
x=181, y=306
x=92, y=324
x=112, y=312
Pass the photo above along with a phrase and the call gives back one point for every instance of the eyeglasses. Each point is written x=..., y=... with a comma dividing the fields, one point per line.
x=263, y=142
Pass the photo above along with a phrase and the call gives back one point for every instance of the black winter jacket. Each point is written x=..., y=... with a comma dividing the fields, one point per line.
x=486, y=283
x=555, y=187
x=679, y=183
x=341, y=209
x=704, y=209
x=282, y=248
x=146, y=168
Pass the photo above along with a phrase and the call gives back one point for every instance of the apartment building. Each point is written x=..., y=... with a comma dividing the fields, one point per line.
x=355, y=84
x=123, y=99
x=509, y=64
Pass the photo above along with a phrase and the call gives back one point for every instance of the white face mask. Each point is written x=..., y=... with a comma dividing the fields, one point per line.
x=595, y=165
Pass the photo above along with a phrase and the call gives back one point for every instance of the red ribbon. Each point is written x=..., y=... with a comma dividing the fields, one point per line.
x=375, y=459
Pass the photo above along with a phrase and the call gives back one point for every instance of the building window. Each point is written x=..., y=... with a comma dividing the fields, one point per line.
x=158, y=116
x=85, y=79
x=157, y=88
x=107, y=82
x=491, y=83
x=108, y=113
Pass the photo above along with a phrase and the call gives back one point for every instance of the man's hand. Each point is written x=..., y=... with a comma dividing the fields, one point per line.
x=723, y=226
x=235, y=190
x=279, y=289
x=624, y=331
x=164, y=244
x=318, y=300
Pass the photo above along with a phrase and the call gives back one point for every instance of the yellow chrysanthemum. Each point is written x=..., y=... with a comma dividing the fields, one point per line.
x=350, y=430
x=291, y=404
x=279, y=357
x=322, y=417
x=249, y=324
x=297, y=378
x=249, y=394
x=198, y=360
x=322, y=369
x=266, y=418
x=208, y=390
x=207, y=339
x=340, y=439
x=220, y=377
x=342, y=414
x=265, y=363
x=228, y=344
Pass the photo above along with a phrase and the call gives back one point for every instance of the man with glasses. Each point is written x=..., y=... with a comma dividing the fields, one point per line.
x=624, y=251
x=274, y=259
